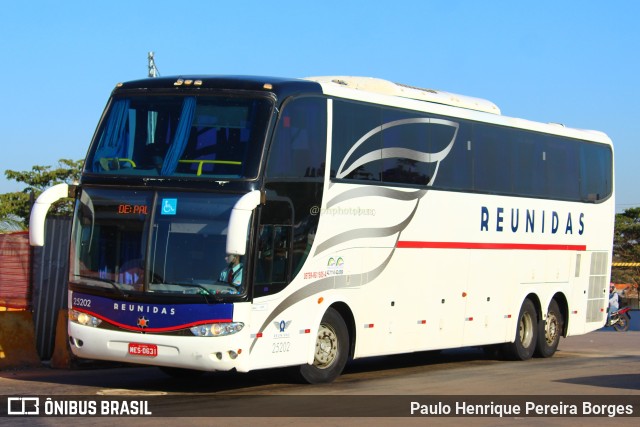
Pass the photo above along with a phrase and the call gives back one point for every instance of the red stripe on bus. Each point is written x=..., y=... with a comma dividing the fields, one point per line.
x=500, y=246
x=147, y=329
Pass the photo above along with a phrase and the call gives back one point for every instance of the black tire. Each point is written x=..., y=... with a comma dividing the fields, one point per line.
x=526, y=337
x=331, y=352
x=181, y=373
x=549, y=331
x=622, y=325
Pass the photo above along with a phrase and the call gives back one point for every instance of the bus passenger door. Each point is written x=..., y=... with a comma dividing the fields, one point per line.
x=278, y=345
x=272, y=265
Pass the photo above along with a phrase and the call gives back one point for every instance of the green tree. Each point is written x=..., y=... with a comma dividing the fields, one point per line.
x=15, y=207
x=626, y=246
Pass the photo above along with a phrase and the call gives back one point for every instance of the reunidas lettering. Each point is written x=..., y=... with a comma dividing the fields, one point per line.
x=518, y=220
x=140, y=308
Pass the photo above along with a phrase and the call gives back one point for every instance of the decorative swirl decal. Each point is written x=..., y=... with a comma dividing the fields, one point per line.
x=397, y=152
x=365, y=233
x=333, y=282
x=343, y=281
x=375, y=191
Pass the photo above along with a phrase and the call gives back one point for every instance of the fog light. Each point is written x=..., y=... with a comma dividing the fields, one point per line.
x=75, y=342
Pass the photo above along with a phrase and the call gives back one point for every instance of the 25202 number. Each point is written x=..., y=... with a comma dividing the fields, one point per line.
x=81, y=302
x=281, y=347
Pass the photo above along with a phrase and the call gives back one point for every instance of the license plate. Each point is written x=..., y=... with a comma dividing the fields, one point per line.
x=137, y=349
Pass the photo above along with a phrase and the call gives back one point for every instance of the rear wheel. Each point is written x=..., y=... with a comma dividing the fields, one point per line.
x=331, y=352
x=526, y=337
x=550, y=331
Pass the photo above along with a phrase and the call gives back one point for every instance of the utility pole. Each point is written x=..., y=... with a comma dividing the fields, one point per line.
x=153, y=70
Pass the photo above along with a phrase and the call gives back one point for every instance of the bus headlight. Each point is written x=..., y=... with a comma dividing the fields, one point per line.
x=217, y=329
x=83, y=318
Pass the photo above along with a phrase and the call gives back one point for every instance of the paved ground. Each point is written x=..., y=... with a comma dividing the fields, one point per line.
x=603, y=363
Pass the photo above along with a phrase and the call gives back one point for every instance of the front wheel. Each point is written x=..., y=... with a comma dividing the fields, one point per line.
x=550, y=331
x=526, y=334
x=622, y=325
x=331, y=352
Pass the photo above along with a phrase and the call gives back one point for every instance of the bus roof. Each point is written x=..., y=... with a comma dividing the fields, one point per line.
x=285, y=87
x=386, y=87
x=281, y=87
x=342, y=84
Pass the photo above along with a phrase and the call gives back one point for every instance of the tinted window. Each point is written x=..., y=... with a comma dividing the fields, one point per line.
x=595, y=168
x=388, y=145
x=186, y=136
x=527, y=161
x=272, y=262
x=407, y=140
x=456, y=169
x=357, y=141
x=491, y=148
x=299, y=144
x=560, y=168
x=177, y=246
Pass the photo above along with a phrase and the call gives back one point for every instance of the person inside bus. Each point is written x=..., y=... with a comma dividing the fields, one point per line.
x=232, y=273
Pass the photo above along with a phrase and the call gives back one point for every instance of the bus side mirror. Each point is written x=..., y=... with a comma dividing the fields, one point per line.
x=237, y=233
x=40, y=209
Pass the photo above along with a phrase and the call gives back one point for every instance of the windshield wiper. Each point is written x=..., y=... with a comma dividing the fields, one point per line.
x=113, y=283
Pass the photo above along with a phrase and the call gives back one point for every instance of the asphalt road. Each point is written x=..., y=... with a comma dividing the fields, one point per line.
x=602, y=363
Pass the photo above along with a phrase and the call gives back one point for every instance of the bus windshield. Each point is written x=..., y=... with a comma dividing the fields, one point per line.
x=171, y=243
x=182, y=136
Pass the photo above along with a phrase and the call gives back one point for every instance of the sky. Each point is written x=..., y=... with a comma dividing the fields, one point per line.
x=575, y=62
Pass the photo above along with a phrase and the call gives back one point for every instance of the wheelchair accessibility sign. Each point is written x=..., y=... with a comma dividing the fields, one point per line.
x=169, y=206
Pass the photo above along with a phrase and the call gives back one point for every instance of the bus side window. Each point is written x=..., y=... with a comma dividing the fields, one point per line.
x=281, y=254
x=272, y=266
x=299, y=144
x=265, y=254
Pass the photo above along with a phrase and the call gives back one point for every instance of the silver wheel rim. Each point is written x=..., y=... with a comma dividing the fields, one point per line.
x=326, y=347
x=551, y=328
x=525, y=330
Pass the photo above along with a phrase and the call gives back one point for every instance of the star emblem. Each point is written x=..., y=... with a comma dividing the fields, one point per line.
x=143, y=322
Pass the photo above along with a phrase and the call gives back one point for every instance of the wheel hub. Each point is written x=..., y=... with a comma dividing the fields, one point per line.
x=326, y=347
x=525, y=330
x=551, y=328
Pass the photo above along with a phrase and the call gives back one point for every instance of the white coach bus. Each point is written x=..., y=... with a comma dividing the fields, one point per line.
x=246, y=223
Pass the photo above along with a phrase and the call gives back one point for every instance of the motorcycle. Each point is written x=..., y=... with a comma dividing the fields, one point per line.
x=620, y=319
